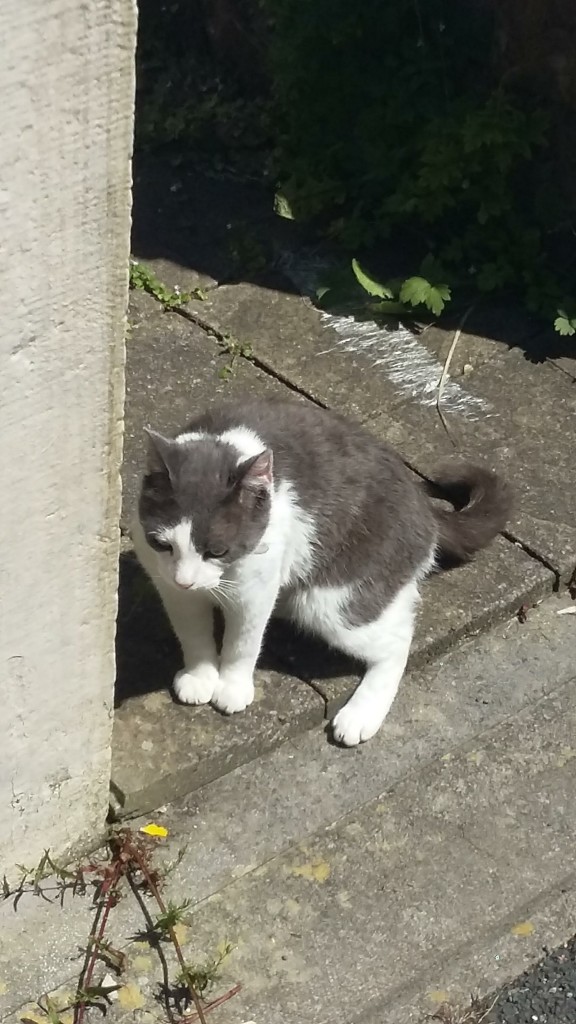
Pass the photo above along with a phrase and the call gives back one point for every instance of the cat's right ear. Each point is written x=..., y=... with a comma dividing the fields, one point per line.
x=159, y=450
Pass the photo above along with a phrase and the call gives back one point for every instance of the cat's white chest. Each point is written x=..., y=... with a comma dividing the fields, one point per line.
x=291, y=533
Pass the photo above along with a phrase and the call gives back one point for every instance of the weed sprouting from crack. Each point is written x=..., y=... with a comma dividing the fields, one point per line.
x=31, y=879
x=130, y=860
x=145, y=280
x=203, y=978
x=235, y=350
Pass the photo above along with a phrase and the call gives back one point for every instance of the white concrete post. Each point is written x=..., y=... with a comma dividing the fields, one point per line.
x=66, y=112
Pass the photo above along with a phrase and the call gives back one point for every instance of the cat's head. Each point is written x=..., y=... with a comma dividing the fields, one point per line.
x=203, y=506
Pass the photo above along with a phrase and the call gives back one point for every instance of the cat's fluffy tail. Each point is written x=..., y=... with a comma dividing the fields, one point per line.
x=482, y=505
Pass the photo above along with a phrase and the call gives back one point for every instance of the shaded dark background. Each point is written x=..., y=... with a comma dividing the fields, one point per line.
x=395, y=131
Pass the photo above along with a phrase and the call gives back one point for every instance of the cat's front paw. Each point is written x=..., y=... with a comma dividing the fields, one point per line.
x=355, y=724
x=233, y=692
x=196, y=686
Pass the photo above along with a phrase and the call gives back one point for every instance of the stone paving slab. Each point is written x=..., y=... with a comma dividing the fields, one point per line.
x=490, y=960
x=392, y=892
x=566, y=365
x=162, y=750
x=459, y=740
x=286, y=333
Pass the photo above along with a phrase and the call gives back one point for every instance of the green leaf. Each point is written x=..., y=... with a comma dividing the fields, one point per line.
x=173, y=914
x=418, y=292
x=368, y=284
x=438, y=297
x=565, y=326
x=282, y=207
x=415, y=291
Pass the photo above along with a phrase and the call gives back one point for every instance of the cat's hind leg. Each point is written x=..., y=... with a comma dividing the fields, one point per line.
x=384, y=645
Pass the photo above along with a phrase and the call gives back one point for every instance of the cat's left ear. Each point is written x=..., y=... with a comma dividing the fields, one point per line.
x=256, y=473
x=160, y=449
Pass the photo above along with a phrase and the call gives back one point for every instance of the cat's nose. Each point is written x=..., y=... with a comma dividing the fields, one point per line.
x=184, y=586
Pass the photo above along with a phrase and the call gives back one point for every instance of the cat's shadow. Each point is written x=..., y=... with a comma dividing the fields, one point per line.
x=148, y=655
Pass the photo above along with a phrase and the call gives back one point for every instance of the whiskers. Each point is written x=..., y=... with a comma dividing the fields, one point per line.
x=225, y=593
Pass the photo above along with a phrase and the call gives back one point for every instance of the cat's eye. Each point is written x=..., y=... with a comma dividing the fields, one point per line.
x=159, y=545
x=216, y=553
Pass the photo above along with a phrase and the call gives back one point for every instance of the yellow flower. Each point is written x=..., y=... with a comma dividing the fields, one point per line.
x=154, y=830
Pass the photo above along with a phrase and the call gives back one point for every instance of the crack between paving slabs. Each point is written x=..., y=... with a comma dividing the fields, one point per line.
x=313, y=686
x=561, y=369
x=224, y=339
x=536, y=556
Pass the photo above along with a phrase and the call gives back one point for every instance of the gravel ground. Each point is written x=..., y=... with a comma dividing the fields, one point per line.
x=546, y=994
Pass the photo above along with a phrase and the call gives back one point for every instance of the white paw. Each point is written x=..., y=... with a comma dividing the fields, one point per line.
x=233, y=693
x=354, y=724
x=196, y=686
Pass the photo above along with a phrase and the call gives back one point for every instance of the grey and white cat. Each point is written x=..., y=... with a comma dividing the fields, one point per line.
x=282, y=505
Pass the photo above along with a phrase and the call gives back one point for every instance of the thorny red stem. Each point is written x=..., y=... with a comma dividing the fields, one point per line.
x=178, y=949
x=215, y=1002
x=125, y=856
x=97, y=936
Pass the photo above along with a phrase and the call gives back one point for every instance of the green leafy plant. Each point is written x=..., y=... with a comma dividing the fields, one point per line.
x=171, y=916
x=417, y=291
x=234, y=350
x=428, y=290
x=393, y=132
x=145, y=280
x=203, y=978
x=384, y=125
